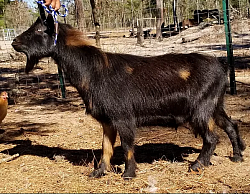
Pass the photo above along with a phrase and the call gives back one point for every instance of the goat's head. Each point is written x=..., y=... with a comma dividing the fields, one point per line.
x=36, y=42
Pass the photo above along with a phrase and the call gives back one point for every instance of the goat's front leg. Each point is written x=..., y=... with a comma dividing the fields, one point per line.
x=109, y=137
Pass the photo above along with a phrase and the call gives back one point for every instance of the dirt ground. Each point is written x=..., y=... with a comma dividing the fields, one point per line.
x=58, y=145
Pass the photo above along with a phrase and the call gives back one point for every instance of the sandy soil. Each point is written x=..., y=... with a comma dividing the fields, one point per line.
x=58, y=144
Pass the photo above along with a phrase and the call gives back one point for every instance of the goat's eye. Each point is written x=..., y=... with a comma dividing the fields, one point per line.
x=39, y=31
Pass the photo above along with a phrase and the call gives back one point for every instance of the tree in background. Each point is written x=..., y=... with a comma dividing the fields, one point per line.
x=79, y=14
x=3, y=4
x=159, y=18
x=140, y=26
x=17, y=15
x=95, y=16
x=116, y=14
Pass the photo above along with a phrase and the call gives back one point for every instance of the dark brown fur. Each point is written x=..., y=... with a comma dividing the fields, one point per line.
x=124, y=91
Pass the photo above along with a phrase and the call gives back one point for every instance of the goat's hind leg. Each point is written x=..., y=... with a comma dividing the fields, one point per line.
x=224, y=122
x=109, y=137
x=126, y=132
x=210, y=140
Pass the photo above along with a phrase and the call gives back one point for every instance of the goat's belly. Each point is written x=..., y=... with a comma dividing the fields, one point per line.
x=165, y=121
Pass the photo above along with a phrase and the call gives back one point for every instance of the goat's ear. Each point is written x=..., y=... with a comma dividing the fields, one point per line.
x=50, y=23
x=42, y=12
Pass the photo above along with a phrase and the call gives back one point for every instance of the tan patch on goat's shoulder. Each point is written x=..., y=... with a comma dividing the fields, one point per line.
x=184, y=74
x=128, y=69
x=76, y=38
x=211, y=124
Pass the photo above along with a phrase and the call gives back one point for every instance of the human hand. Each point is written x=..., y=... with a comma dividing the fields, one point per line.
x=54, y=3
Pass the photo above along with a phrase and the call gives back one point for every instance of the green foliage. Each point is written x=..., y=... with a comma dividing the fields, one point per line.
x=2, y=23
x=1, y=7
x=17, y=14
x=235, y=3
x=2, y=4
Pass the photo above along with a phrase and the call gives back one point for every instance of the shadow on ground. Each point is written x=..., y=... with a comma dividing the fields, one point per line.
x=146, y=153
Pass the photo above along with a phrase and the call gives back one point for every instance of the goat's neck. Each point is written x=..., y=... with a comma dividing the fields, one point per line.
x=81, y=65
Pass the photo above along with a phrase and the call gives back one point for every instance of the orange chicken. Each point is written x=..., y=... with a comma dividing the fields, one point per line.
x=3, y=105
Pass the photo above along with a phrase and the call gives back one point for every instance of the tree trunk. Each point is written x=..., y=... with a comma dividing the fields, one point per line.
x=140, y=38
x=133, y=22
x=96, y=22
x=159, y=10
x=175, y=15
x=79, y=15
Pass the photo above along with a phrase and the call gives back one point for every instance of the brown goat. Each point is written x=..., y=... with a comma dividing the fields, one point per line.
x=187, y=23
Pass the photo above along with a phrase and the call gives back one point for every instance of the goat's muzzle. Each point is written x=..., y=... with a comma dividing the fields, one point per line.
x=17, y=45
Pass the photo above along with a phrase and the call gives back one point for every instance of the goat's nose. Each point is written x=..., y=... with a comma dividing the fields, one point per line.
x=15, y=42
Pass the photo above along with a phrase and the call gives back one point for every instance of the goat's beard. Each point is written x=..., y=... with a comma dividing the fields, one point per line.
x=31, y=62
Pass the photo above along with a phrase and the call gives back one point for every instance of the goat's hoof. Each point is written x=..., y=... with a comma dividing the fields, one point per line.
x=196, y=168
x=236, y=158
x=128, y=175
x=97, y=173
